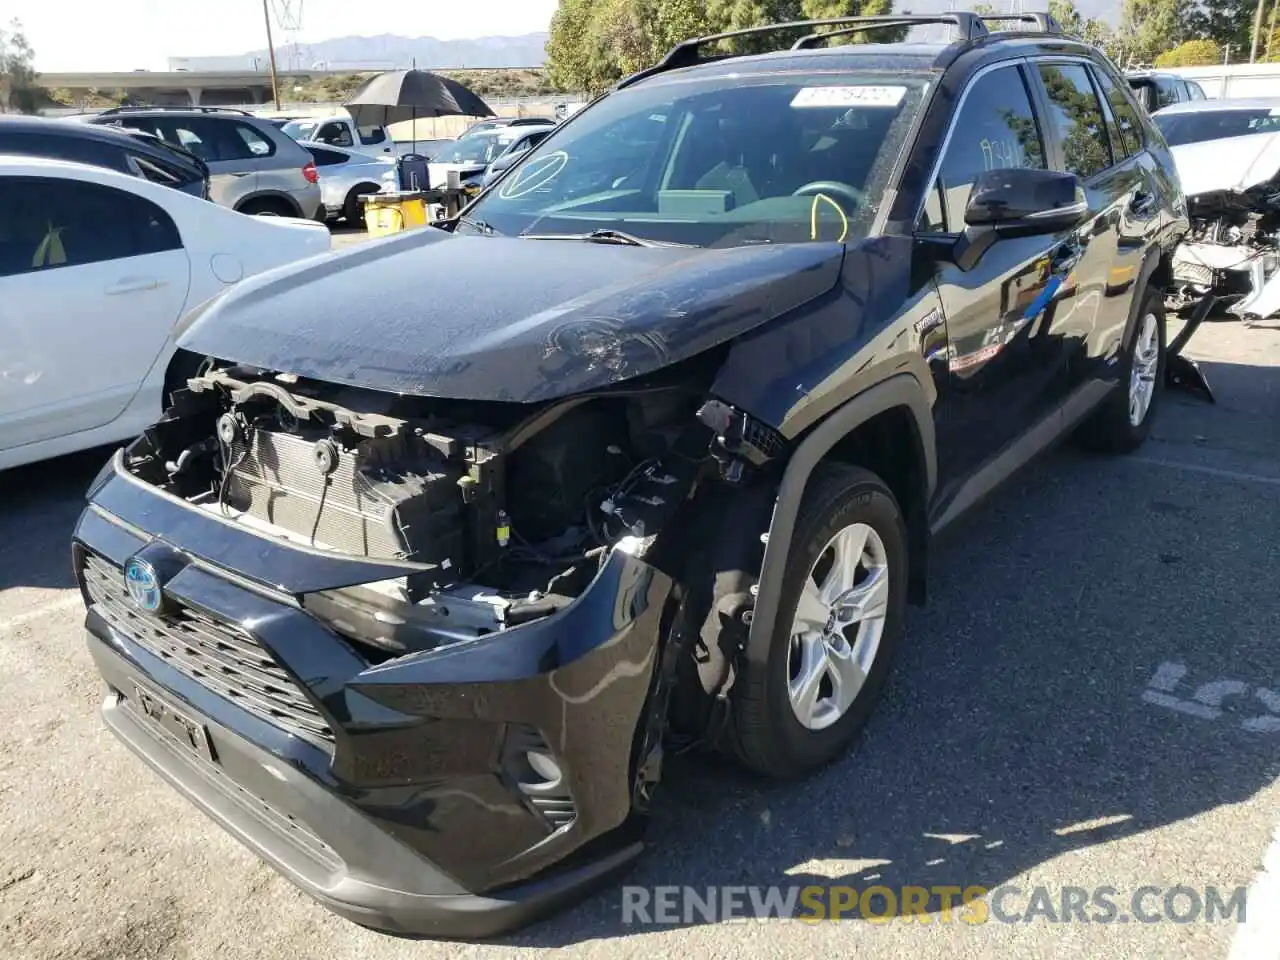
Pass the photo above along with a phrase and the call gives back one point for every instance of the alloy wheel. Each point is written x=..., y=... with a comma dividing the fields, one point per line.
x=838, y=625
x=1142, y=374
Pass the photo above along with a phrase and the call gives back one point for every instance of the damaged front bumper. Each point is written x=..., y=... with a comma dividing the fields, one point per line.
x=457, y=792
x=1249, y=279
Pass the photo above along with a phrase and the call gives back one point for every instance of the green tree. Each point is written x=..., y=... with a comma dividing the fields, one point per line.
x=1191, y=53
x=18, y=90
x=1225, y=22
x=1074, y=23
x=1150, y=27
x=594, y=43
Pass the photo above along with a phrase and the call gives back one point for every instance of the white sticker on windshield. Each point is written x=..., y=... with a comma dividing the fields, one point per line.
x=860, y=96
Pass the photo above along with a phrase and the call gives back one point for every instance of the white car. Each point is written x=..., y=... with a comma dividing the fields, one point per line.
x=1228, y=157
x=346, y=175
x=96, y=267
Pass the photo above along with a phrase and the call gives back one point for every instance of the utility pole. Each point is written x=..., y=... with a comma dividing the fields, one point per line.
x=1257, y=29
x=271, y=55
x=1271, y=30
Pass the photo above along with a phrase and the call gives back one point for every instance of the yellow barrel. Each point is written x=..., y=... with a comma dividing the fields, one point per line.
x=386, y=213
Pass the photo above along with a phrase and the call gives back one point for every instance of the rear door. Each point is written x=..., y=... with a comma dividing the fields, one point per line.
x=1005, y=360
x=1094, y=295
x=1134, y=219
x=241, y=160
x=229, y=181
x=92, y=279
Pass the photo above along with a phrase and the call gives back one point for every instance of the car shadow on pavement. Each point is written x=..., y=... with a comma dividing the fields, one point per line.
x=1017, y=727
x=40, y=505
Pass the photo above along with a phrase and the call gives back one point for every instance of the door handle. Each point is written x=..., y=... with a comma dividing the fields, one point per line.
x=246, y=173
x=133, y=285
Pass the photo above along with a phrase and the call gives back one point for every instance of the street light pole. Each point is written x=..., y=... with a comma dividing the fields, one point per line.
x=271, y=55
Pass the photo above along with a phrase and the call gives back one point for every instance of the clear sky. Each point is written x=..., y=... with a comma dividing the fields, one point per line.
x=76, y=35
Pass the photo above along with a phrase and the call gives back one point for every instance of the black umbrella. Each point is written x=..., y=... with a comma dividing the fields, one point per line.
x=410, y=94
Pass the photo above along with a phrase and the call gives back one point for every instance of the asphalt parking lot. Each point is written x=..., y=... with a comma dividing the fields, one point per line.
x=1091, y=698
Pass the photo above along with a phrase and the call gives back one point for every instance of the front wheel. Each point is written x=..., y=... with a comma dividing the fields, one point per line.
x=840, y=619
x=1123, y=421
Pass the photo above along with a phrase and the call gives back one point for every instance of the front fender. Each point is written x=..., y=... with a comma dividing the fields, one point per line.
x=901, y=390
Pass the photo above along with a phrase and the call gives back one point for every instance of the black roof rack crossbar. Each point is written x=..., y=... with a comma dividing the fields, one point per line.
x=968, y=25
x=135, y=109
x=1043, y=22
x=883, y=23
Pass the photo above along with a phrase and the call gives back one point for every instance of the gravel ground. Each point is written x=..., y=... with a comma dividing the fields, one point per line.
x=1014, y=746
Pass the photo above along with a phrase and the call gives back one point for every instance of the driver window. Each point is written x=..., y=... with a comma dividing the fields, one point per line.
x=995, y=129
x=336, y=134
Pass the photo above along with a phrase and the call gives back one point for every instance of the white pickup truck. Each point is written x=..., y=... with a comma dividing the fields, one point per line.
x=341, y=131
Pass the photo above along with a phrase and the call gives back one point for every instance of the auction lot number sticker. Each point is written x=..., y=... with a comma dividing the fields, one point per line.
x=857, y=96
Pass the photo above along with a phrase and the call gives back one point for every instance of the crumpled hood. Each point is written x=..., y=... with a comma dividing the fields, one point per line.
x=1234, y=163
x=428, y=313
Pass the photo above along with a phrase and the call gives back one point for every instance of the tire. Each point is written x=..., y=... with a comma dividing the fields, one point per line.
x=267, y=207
x=351, y=206
x=766, y=733
x=1123, y=421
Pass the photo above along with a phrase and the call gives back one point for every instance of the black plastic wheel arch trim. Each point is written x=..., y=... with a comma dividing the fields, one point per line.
x=900, y=390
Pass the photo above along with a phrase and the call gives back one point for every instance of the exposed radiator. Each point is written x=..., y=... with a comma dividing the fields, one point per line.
x=356, y=509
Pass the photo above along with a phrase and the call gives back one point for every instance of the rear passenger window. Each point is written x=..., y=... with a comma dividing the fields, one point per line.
x=53, y=222
x=1126, y=117
x=995, y=129
x=210, y=139
x=1076, y=118
x=160, y=171
x=79, y=149
x=327, y=158
x=258, y=145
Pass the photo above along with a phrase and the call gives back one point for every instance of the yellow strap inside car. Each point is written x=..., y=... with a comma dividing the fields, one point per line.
x=50, y=253
x=818, y=199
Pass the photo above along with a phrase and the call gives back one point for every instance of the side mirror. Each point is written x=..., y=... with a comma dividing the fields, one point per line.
x=1018, y=202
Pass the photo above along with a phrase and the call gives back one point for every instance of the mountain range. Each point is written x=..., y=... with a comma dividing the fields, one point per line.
x=388, y=52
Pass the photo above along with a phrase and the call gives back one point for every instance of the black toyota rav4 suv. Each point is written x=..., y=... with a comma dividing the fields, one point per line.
x=443, y=538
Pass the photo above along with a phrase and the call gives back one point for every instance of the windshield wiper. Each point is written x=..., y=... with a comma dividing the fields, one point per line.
x=603, y=236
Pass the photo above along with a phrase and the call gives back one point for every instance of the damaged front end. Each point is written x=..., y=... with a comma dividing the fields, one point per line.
x=448, y=631
x=1232, y=252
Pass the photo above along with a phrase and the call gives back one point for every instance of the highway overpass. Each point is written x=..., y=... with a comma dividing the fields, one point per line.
x=200, y=88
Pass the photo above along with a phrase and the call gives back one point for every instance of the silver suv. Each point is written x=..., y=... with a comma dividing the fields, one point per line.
x=253, y=167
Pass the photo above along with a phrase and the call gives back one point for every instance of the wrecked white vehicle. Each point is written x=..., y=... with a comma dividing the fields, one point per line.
x=1228, y=158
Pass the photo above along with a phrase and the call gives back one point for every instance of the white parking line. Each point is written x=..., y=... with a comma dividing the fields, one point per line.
x=1208, y=471
x=1258, y=938
x=70, y=599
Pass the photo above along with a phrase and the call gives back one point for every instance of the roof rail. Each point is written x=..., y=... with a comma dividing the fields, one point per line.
x=115, y=110
x=1042, y=22
x=968, y=25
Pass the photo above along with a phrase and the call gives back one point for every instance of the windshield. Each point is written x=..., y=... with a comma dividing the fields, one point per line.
x=480, y=148
x=717, y=161
x=1179, y=128
x=483, y=126
x=300, y=129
